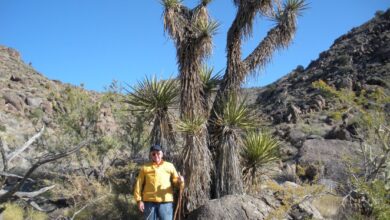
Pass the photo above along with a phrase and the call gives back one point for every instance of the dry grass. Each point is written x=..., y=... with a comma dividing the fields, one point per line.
x=328, y=205
x=12, y=212
x=290, y=195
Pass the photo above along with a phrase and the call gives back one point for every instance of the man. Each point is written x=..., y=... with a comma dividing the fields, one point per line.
x=154, y=186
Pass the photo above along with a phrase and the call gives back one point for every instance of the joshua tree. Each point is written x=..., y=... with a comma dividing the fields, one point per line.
x=153, y=98
x=192, y=34
x=238, y=68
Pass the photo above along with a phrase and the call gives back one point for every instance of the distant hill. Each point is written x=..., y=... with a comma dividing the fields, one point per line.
x=29, y=100
x=358, y=60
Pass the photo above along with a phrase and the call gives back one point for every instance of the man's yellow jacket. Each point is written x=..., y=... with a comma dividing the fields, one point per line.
x=155, y=182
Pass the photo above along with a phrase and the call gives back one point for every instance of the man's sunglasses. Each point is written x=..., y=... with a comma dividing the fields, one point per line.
x=155, y=154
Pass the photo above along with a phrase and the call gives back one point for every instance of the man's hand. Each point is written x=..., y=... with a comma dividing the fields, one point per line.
x=141, y=206
x=181, y=180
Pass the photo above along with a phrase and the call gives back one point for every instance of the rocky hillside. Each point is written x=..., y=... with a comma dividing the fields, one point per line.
x=317, y=128
x=357, y=61
x=29, y=100
x=22, y=91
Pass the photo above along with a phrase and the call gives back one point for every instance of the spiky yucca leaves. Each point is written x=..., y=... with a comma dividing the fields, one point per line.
x=236, y=114
x=191, y=126
x=210, y=84
x=197, y=164
x=237, y=118
x=259, y=149
x=153, y=98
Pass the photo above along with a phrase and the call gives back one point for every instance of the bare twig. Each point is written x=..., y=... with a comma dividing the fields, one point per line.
x=3, y=156
x=41, y=161
x=14, y=176
x=85, y=206
x=29, y=194
x=92, y=202
x=37, y=207
x=12, y=155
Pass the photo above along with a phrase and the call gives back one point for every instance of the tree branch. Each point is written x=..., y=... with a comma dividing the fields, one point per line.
x=25, y=146
x=28, y=194
x=14, y=176
x=3, y=156
x=85, y=206
x=41, y=161
x=276, y=38
x=37, y=207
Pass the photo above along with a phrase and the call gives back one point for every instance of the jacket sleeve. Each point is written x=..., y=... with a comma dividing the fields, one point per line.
x=138, y=185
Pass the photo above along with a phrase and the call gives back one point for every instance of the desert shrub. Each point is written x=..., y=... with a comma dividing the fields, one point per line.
x=32, y=214
x=290, y=196
x=336, y=115
x=300, y=68
x=310, y=129
x=122, y=178
x=343, y=70
x=12, y=212
x=110, y=207
x=80, y=114
x=343, y=60
x=379, y=13
x=36, y=115
x=328, y=205
x=3, y=128
x=378, y=196
x=308, y=173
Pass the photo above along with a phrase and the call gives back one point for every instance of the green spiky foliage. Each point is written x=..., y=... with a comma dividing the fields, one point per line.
x=259, y=149
x=210, y=83
x=237, y=119
x=238, y=67
x=154, y=98
x=191, y=31
x=191, y=126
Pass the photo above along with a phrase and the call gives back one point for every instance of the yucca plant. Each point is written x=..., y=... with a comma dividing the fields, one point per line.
x=259, y=149
x=153, y=98
x=237, y=118
x=210, y=83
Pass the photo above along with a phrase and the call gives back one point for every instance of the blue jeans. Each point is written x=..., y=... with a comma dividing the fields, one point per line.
x=157, y=210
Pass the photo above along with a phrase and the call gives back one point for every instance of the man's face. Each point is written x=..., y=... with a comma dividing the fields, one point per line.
x=156, y=156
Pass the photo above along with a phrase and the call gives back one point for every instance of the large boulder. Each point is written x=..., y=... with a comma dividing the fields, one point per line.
x=268, y=204
x=232, y=207
x=328, y=158
x=14, y=100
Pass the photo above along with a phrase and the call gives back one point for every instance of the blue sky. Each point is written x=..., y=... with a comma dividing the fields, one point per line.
x=96, y=41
